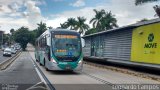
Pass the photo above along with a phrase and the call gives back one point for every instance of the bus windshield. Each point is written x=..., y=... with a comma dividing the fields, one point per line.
x=66, y=47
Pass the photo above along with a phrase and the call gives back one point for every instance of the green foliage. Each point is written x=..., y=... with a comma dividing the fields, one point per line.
x=63, y=26
x=74, y=24
x=12, y=31
x=157, y=10
x=71, y=23
x=50, y=27
x=33, y=35
x=103, y=20
x=81, y=26
x=41, y=28
x=6, y=38
x=12, y=35
x=96, y=20
x=91, y=31
x=22, y=36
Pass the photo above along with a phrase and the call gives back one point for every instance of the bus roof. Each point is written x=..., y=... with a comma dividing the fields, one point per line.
x=67, y=30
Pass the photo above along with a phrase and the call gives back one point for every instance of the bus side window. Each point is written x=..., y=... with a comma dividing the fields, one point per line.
x=48, y=52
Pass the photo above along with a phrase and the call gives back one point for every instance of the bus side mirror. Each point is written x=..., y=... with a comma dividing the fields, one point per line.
x=83, y=42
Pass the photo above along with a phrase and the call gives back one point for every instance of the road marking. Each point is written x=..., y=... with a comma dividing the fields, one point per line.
x=38, y=72
x=42, y=75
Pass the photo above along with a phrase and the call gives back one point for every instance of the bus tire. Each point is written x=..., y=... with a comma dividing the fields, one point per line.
x=45, y=65
x=47, y=69
x=40, y=64
x=36, y=60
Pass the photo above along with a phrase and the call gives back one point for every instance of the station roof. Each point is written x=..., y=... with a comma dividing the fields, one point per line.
x=157, y=20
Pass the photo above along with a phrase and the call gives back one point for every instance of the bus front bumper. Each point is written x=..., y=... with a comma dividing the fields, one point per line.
x=55, y=66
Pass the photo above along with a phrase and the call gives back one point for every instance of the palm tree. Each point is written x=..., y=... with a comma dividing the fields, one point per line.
x=138, y=2
x=97, y=19
x=109, y=21
x=63, y=25
x=71, y=23
x=50, y=27
x=12, y=31
x=41, y=28
x=104, y=20
x=81, y=26
x=157, y=10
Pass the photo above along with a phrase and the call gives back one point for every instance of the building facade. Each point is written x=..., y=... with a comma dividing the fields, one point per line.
x=134, y=43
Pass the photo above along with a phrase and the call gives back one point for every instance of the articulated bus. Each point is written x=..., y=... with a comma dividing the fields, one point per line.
x=60, y=49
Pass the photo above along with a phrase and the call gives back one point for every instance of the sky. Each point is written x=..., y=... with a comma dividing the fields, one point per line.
x=17, y=13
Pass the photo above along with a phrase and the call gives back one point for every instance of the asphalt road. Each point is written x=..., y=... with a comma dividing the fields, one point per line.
x=20, y=75
x=23, y=74
x=91, y=78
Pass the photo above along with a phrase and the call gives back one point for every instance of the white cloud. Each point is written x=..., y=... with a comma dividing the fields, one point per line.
x=55, y=22
x=33, y=14
x=10, y=10
x=125, y=10
x=8, y=23
x=62, y=17
x=78, y=3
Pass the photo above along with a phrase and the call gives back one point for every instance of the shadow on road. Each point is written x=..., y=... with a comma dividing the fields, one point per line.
x=65, y=72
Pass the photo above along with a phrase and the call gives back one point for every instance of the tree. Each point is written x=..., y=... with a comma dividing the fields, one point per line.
x=156, y=7
x=12, y=31
x=50, y=27
x=90, y=31
x=81, y=26
x=157, y=10
x=6, y=38
x=11, y=36
x=97, y=19
x=109, y=21
x=63, y=25
x=22, y=36
x=41, y=28
x=103, y=20
x=71, y=23
x=33, y=35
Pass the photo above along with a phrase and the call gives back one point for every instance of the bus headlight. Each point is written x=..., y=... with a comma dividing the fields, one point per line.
x=52, y=60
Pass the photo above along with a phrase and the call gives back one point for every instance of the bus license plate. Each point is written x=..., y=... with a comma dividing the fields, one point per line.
x=63, y=63
x=68, y=67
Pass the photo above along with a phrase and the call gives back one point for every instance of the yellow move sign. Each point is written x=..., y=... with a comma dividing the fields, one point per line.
x=146, y=44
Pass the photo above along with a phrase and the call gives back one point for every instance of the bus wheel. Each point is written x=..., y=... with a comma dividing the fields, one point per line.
x=47, y=69
x=36, y=60
x=45, y=66
x=40, y=64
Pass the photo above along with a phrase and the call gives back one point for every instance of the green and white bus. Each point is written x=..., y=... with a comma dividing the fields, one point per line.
x=60, y=49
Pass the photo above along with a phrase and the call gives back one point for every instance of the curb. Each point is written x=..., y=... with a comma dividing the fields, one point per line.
x=6, y=63
x=48, y=84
